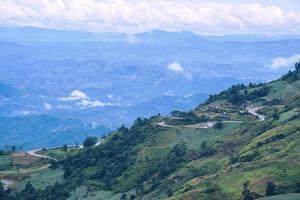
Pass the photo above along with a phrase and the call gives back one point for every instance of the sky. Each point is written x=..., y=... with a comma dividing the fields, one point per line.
x=209, y=17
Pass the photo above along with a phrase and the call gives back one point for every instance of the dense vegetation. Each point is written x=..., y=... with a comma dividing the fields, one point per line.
x=241, y=159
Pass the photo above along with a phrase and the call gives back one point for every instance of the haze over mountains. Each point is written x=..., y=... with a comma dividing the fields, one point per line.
x=109, y=79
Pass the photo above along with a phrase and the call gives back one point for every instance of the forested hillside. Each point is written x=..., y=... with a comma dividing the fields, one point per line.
x=243, y=143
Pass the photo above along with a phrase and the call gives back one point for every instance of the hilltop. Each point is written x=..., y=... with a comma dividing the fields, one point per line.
x=242, y=143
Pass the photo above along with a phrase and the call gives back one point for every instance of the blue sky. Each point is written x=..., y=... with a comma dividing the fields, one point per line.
x=210, y=17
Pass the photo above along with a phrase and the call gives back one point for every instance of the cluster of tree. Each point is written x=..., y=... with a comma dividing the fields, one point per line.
x=127, y=197
x=157, y=171
x=9, y=149
x=242, y=97
x=206, y=150
x=292, y=76
x=273, y=138
x=271, y=190
x=184, y=118
x=30, y=193
x=239, y=94
x=110, y=159
x=175, y=158
x=90, y=141
x=218, y=124
x=2, y=152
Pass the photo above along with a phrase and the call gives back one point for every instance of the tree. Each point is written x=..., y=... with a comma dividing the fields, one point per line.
x=246, y=194
x=218, y=124
x=65, y=148
x=2, y=191
x=271, y=189
x=53, y=164
x=29, y=193
x=275, y=114
x=206, y=150
x=67, y=172
x=123, y=196
x=203, y=146
x=169, y=192
x=89, y=142
x=297, y=66
x=13, y=149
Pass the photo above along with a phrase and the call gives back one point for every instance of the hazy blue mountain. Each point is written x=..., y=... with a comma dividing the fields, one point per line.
x=250, y=38
x=7, y=90
x=33, y=35
x=125, y=76
x=40, y=131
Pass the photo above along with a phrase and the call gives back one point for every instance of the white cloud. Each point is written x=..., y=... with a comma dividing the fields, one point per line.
x=175, y=67
x=64, y=107
x=284, y=62
x=143, y=15
x=83, y=100
x=24, y=113
x=75, y=95
x=110, y=96
x=48, y=106
x=169, y=93
x=92, y=104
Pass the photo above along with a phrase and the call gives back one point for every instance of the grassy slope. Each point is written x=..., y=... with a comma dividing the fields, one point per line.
x=267, y=151
x=274, y=158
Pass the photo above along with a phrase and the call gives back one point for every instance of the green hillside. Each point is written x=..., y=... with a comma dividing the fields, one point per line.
x=243, y=143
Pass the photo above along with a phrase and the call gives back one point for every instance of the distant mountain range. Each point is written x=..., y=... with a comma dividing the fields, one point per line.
x=32, y=132
x=110, y=79
x=33, y=34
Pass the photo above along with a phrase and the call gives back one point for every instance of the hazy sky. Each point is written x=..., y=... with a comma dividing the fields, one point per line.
x=199, y=16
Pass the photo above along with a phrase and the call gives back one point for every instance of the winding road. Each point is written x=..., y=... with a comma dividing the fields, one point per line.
x=33, y=153
x=253, y=110
x=203, y=125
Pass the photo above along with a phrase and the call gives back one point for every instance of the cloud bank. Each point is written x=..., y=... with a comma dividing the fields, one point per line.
x=144, y=15
x=284, y=62
x=83, y=100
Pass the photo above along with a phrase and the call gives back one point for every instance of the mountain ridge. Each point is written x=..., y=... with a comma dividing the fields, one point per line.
x=217, y=151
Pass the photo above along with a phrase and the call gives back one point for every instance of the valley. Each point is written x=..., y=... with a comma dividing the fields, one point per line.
x=242, y=139
x=149, y=100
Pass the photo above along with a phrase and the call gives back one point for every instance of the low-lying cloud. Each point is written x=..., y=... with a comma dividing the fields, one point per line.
x=137, y=16
x=92, y=104
x=284, y=62
x=83, y=100
x=75, y=95
x=48, y=106
x=177, y=68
